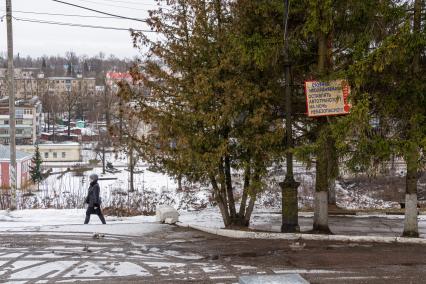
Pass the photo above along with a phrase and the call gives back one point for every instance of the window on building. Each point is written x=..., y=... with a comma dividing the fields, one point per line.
x=28, y=111
x=55, y=155
x=46, y=155
x=4, y=131
x=6, y=122
x=64, y=154
x=19, y=121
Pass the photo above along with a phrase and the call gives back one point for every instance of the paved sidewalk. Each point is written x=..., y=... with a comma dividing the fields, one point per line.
x=385, y=225
x=179, y=255
x=353, y=225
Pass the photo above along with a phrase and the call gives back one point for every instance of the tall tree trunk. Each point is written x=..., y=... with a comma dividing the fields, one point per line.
x=179, y=180
x=48, y=121
x=253, y=196
x=106, y=108
x=131, y=169
x=103, y=159
x=120, y=116
x=417, y=26
x=332, y=192
x=321, y=184
x=322, y=53
x=221, y=201
x=332, y=170
x=249, y=210
x=410, y=221
x=222, y=182
x=322, y=168
x=69, y=123
x=247, y=175
x=229, y=189
x=54, y=128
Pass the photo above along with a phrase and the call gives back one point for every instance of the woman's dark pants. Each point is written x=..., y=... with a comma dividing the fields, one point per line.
x=91, y=210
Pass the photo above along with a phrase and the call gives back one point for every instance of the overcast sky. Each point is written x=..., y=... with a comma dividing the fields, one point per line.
x=36, y=39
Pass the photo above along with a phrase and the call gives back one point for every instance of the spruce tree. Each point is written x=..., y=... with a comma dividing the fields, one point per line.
x=36, y=170
x=214, y=97
x=390, y=88
x=330, y=37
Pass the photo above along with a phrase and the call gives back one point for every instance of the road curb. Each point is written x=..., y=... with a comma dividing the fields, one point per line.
x=236, y=234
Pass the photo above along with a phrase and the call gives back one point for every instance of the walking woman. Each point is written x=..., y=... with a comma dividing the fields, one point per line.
x=93, y=200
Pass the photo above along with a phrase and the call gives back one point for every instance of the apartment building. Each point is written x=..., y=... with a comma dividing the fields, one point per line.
x=29, y=82
x=28, y=121
x=60, y=85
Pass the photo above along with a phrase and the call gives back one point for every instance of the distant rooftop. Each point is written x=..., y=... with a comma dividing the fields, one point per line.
x=118, y=75
x=30, y=102
x=23, y=68
x=65, y=143
x=61, y=78
x=69, y=78
x=5, y=153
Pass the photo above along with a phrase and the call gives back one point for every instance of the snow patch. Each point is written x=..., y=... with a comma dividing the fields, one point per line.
x=107, y=269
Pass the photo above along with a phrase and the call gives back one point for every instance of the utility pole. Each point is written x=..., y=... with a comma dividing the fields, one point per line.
x=289, y=187
x=11, y=90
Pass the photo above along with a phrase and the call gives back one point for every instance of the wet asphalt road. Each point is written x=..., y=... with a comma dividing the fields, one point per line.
x=179, y=255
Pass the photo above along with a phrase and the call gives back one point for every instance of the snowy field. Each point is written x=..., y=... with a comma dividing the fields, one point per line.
x=76, y=184
x=65, y=189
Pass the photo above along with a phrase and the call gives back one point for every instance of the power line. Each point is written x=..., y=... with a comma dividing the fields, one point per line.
x=65, y=15
x=97, y=11
x=111, y=5
x=80, y=25
x=128, y=2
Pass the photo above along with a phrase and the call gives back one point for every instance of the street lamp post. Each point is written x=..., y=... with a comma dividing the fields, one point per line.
x=289, y=187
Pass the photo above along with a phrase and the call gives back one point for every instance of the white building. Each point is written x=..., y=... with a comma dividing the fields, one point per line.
x=61, y=152
x=28, y=121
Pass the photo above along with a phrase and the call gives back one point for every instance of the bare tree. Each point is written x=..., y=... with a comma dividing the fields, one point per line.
x=70, y=100
x=102, y=145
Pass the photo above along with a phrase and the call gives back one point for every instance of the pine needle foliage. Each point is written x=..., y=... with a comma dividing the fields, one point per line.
x=215, y=94
x=36, y=170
